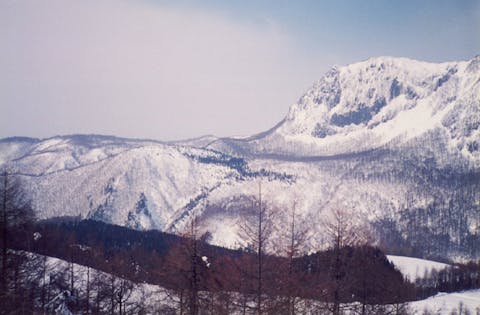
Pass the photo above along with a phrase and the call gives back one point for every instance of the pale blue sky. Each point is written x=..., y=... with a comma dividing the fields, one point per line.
x=179, y=69
x=410, y=28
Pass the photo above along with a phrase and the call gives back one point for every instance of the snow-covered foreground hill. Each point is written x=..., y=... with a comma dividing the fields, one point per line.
x=449, y=303
x=442, y=303
x=393, y=142
x=94, y=285
x=413, y=268
x=153, y=298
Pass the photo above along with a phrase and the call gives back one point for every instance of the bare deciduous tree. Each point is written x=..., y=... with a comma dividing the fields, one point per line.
x=16, y=216
x=343, y=230
x=295, y=237
x=185, y=259
x=257, y=230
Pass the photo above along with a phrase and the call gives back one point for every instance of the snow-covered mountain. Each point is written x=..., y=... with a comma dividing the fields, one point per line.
x=395, y=142
x=377, y=102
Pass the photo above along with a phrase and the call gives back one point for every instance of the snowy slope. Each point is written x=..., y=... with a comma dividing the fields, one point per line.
x=413, y=268
x=445, y=304
x=116, y=182
x=149, y=296
x=13, y=148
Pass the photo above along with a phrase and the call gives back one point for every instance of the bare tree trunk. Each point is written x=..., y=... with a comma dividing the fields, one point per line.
x=48, y=290
x=4, y=236
x=15, y=212
x=71, y=276
x=181, y=302
x=15, y=284
x=295, y=238
x=43, y=297
x=260, y=249
x=212, y=303
x=193, y=269
x=244, y=304
x=342, y=233
x=337, y=279
x=112, y=294
x=88, y=292
x=291, y=255
x=256, y=229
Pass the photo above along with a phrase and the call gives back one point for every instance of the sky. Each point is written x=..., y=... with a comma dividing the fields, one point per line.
x=171, y=70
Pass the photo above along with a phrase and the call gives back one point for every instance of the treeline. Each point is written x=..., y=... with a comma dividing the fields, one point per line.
x=444, y=227
x=439, y=211
x=457, y=277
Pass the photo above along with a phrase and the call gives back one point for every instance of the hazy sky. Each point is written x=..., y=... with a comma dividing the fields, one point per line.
x=178, y=69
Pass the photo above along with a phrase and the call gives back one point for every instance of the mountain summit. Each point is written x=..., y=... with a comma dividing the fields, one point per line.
x=377, y=102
